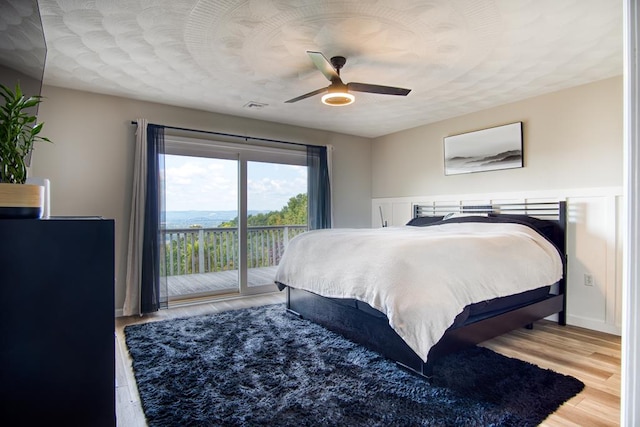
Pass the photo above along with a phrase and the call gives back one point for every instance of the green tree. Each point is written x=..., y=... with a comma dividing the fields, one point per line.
x=294, y=213
x=220, y=249
x=296, y=210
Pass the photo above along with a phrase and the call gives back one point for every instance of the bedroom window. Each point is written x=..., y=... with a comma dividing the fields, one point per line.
x=230, y=210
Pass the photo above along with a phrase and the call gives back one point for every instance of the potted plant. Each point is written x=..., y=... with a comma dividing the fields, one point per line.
x=18, y=132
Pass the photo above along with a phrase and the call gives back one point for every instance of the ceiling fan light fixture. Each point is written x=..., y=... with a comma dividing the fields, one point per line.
x=338, y=99
x=337, y=94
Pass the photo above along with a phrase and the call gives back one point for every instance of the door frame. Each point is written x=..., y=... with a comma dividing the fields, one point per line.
x=242, y=153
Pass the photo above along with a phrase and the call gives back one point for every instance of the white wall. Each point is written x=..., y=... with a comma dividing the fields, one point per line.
x=90, y=163
x=573, y=150
x=572, y=139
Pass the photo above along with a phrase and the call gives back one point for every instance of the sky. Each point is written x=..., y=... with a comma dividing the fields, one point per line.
x=198, y=183
x=484, y=142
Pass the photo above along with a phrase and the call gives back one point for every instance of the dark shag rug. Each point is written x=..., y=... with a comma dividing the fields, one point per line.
x=265, y=367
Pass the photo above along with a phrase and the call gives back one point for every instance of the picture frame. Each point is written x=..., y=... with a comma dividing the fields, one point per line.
x=494, y=148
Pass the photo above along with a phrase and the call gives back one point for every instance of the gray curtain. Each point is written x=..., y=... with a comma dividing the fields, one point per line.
x=319, y=187
x=145, y=287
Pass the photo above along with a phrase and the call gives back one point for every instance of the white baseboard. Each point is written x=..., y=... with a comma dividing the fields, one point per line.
x=119, y=312
x=591, y=324
x=594, y=325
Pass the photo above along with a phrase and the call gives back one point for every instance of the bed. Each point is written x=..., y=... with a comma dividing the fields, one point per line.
x=454, y=276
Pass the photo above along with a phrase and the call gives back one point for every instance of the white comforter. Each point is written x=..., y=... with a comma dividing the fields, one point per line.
x=421, y=277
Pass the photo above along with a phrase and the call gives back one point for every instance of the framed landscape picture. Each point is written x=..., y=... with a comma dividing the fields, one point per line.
x=484, y=150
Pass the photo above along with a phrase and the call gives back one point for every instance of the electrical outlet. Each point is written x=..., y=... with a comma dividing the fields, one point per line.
x=588, y=279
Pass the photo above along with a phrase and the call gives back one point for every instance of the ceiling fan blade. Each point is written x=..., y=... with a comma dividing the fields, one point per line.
x=306, y=95
x=324, y=65
x=384, y=90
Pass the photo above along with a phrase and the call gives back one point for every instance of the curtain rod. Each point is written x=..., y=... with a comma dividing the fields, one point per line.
x=246, y=138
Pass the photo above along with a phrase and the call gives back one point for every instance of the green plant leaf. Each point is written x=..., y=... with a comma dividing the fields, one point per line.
x=18, y=132
x=31, y=102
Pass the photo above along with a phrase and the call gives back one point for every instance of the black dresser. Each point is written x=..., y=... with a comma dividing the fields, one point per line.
x=57, y=351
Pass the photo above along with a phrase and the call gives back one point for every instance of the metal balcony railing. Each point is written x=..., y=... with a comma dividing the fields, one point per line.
x=209, y=250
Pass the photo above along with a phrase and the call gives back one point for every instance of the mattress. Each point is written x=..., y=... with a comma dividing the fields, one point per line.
x=422, y=278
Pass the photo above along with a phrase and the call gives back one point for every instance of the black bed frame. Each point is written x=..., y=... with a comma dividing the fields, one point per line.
x=360, y=323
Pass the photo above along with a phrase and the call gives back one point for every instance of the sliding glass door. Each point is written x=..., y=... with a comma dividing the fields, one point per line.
x=201, y=227
x=276, y=212
x=230, y=211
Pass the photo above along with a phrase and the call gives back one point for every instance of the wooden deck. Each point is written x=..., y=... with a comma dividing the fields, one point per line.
x=215, y=283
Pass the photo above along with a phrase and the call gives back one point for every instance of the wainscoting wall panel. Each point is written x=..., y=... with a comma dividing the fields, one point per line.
x=594, y=244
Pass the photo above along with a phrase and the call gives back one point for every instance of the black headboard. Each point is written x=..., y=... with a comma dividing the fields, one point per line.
x=554, y=212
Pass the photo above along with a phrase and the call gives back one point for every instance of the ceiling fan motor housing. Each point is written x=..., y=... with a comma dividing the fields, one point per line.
x=338, y=62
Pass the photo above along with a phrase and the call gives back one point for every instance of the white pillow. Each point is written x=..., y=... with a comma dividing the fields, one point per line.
x=463, y=214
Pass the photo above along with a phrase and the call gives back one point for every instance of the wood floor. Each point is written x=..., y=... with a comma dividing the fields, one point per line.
x=593, y=357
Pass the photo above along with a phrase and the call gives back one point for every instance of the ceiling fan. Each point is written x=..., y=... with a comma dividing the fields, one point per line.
x=337, y=93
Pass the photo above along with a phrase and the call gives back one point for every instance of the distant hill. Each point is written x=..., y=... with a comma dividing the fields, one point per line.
x=504, y=156
x=462, y=164
x=201, y=219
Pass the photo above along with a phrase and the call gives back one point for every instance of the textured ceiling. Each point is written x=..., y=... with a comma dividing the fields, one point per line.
x=457, y=56
x=22, y=46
